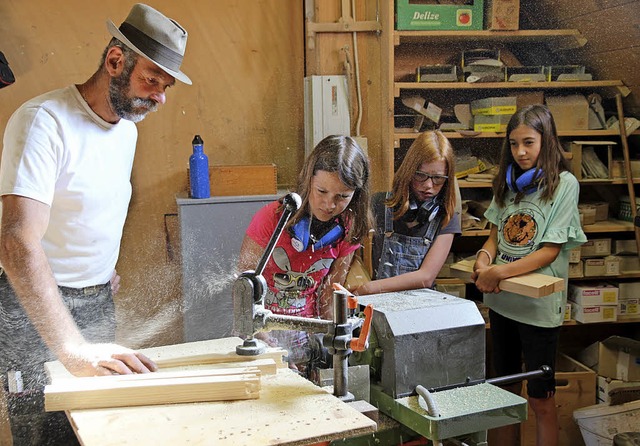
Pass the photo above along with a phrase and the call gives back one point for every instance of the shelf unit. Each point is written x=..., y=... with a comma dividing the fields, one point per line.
x=424, y=43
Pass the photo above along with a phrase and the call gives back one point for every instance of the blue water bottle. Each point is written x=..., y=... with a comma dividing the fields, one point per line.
x=199, y=170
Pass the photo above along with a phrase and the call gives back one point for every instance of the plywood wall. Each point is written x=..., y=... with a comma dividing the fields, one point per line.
x=247, y=65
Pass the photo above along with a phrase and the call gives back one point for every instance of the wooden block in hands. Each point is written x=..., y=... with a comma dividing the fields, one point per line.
x=530, y=284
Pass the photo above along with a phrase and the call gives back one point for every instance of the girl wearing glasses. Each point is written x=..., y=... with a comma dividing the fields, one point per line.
x=535, y=223
x=417, y=220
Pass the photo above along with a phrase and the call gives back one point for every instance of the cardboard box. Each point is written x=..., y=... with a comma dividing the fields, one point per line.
x=576, y=270
x=491, y=123
x=502, y=14
x=575, y=388
x=618, y=170
x=427, y=15
x=587, y=294
x=607, y=386
x=594, y=313
x=525, y=98
x=594, y=267
x=587, y=214
x=625, y=247
x=569, y=112
x=602, y=210
x=629, y=264
x=243, y=180
x=628, y=308
x=580, y=166
x=494, y=106
x=612, y=266
x=596, y=248
x=567, y=312
x=616, y=357
x=574, y=255
x=627, y=290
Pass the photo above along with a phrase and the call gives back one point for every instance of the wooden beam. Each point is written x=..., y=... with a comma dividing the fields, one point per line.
x=531, y=284
x=275, y=354
x=139, y=390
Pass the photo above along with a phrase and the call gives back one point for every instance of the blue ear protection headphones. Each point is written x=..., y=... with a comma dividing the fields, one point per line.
x=526, y=183
x=300, y=235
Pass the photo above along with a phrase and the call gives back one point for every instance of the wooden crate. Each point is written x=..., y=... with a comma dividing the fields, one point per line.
x=602, y=149
x=259, y=179
x=575, y=388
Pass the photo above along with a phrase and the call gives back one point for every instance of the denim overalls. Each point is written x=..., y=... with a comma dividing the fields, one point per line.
x=402, y=253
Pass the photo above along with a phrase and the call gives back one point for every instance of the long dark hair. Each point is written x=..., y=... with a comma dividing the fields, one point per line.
x=550, y=160
x=428, y=147
x=341, y=155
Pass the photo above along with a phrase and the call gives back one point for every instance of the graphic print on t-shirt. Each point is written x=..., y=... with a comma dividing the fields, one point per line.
x=291, y=285
x=520, y=231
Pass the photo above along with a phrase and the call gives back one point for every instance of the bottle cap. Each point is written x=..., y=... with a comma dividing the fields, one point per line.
x=197, y=140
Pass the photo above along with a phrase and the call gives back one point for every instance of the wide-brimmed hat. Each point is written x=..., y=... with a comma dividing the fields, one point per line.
x=155, y=37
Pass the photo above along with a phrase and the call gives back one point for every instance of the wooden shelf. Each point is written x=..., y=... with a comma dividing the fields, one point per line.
x=609, y=226
x=601, y=226
x=565, y=133
x=397, y=86
x=559, y=38
x=464, y=184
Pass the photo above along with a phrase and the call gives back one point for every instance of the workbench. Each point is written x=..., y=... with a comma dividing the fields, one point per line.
x=289, y=411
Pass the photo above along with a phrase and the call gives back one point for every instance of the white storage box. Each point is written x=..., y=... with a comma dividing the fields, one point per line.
x=600, y=423
x=594, y=313
x=597, y=294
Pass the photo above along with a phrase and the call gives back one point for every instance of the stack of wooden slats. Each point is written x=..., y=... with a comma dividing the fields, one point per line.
x=180, y=379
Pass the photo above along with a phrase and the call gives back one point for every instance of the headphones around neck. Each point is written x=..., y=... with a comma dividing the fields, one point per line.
x=429, y=210
x=300, y=235
x=526, y=183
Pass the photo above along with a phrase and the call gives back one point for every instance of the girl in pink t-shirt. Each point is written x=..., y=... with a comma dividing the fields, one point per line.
x=317, y=245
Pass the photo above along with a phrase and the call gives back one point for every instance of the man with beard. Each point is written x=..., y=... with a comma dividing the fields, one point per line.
x=65, y=189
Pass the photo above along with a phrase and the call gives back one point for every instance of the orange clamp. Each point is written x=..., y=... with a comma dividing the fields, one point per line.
x=361, y=343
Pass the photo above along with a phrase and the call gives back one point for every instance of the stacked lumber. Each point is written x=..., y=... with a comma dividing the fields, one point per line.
x=179, y=379
x=153, y=388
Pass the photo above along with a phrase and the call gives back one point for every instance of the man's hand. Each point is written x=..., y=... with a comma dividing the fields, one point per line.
x=106, y=359
x=115, y=283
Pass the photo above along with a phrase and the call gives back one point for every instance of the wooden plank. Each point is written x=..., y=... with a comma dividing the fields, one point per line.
x=220, y=358
x=318, y=416
x=102, y=392
x=531, y=284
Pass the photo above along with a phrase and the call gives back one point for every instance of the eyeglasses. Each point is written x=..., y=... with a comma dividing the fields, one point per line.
x=437, y=180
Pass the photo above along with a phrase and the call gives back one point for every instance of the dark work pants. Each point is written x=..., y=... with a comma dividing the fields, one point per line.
x=21, y=349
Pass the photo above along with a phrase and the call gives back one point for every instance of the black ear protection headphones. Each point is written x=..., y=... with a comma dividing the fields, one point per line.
x=429, y=210
x=300, y=235
x=526, y=183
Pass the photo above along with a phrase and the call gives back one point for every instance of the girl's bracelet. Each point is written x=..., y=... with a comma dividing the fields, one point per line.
x=487, y=253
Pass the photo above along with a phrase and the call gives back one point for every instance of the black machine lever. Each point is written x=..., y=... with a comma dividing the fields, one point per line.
x=543, y=372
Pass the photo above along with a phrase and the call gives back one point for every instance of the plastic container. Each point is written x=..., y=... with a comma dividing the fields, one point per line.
x=600, y=423
x=199, y=170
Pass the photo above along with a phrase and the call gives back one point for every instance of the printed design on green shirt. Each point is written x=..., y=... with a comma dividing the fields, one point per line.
x=520, y=231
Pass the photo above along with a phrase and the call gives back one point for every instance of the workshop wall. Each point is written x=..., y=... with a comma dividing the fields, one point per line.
x=246, y=61
x=612, y=30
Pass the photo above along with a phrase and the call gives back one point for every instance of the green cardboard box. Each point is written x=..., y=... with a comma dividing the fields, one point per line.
x=427, y=15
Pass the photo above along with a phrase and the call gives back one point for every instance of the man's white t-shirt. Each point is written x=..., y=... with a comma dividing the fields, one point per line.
x=59, y=152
